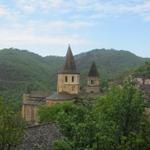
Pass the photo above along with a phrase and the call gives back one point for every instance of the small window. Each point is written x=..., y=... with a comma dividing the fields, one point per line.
x=92, y=82
x=66, y=79
x=72, y=78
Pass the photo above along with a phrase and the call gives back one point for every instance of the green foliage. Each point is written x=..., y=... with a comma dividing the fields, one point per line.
x=21, y=70
x=75, y=124
x=50, y=113
x=115, y=122
x=11, y=127
x=121, y=118
x=64, y=144
x=110, y=63
x=104, y=84
x=144, y=70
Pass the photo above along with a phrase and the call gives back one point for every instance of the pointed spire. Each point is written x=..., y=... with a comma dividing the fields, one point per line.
x=70, y=66
x=93, y=71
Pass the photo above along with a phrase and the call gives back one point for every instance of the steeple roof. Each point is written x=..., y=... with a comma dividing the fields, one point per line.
x=70, y=66
x=93, y=71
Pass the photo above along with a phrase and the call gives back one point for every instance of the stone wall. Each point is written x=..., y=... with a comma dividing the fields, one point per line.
x=93, y=85
x=30, y=105
x=93, y=81
x=69, y=86
x=143, y=81
x=29, y=113
x=92, y=89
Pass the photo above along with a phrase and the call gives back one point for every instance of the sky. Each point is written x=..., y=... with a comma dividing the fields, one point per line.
x=46, y=27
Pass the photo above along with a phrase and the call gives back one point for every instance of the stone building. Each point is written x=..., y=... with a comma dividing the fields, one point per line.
x=68, y=89
x=93, y=81
x=68, y=78
x=30, y=105
x=68, y=82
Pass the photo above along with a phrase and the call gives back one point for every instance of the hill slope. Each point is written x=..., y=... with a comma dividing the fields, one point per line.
x=110, y=63
x=22, y=69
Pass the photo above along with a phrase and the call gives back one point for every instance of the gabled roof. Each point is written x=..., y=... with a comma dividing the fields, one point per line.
x=93, y=71
x=70, y=66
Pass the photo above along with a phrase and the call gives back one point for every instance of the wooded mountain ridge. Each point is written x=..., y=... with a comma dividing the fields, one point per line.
x=20, y=69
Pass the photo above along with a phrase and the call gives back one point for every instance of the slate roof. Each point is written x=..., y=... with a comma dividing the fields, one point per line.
x=40, y=137
x=70, y=66
x=93, y=71
x=36, y=98
x=61, y=96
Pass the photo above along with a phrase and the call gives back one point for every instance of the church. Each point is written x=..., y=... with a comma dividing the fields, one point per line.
x=68, y=89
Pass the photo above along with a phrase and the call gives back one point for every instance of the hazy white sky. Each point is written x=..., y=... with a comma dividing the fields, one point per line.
x=47, y=26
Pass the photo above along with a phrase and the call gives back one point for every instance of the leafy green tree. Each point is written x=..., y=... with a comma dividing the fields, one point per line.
x=50, y=113
x=144, y=70
x=121, y=120
x=11, y=127
x=117, y=121
x=75, y=122
x=63, y=144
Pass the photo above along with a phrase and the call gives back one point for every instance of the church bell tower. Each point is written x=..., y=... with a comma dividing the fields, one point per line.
x=93, y=81
x=68, y=78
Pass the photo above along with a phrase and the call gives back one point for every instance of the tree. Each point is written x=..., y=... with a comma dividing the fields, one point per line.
x=121, y=120
x=143, y=71
x=115, y=122
x=11, y=127
x=75, y=122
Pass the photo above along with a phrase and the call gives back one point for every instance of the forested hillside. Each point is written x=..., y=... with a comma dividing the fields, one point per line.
x=20, y=69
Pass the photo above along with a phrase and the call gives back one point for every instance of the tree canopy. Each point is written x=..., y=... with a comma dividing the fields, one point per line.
x=144, y=70
x=11, y=127
x=116, y=121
